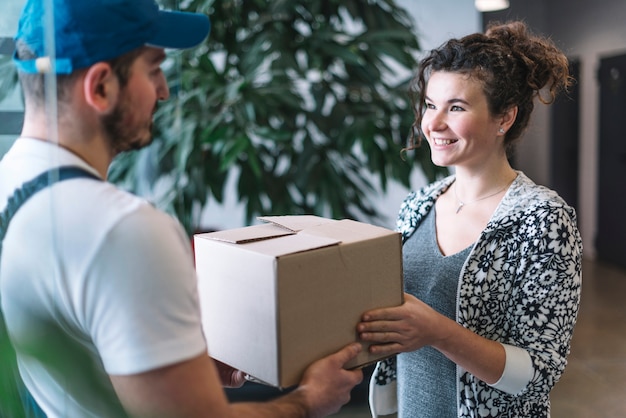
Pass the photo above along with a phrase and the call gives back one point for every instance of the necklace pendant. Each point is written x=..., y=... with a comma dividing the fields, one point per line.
x=461, y=204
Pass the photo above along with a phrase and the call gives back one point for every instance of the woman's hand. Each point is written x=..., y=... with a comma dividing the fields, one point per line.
x=403, y=328
x=414, y=325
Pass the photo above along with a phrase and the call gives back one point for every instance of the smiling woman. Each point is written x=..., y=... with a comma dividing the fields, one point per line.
x=492, y=261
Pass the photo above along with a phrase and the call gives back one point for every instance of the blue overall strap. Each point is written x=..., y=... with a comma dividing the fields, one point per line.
x=15, y=400
x=31, y=187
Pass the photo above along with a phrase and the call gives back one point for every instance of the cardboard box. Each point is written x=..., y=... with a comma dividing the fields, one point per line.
x=277, y=296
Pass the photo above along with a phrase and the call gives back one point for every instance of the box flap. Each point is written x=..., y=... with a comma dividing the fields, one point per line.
x=296, y=223
x=248, y=234
x=290, y=244
x=348, y=231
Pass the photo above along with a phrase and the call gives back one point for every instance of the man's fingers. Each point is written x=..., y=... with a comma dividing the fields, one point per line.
x=348, y=353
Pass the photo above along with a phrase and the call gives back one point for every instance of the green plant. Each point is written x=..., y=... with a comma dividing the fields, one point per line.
x=306, y=101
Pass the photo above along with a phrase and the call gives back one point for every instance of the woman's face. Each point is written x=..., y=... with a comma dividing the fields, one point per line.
x=457, y=123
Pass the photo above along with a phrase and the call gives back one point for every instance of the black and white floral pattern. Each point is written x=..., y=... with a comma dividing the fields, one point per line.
x=520, y=286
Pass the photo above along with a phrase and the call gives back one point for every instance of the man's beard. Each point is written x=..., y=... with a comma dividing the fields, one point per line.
x=123, y=137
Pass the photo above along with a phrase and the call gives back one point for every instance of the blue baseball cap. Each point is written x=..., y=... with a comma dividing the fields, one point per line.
x=89, y=31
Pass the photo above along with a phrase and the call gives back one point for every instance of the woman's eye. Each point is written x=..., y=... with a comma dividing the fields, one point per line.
x=430, y=106
x=456, y=108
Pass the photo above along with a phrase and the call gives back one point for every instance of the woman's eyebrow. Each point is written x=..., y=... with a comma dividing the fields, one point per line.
x=451, y=101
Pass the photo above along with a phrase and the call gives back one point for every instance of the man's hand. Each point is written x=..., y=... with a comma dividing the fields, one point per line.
x=192, y=389
x=326, y=384
x=230, y=377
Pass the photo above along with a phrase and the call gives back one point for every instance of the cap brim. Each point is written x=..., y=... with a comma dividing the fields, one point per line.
x=179, y=30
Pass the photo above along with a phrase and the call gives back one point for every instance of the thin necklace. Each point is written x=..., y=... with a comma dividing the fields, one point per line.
x=462, y=203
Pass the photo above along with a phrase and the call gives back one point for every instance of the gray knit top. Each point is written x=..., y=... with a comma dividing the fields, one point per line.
x=426, y=378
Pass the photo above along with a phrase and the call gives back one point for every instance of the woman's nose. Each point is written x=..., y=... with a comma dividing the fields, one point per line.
x=434, y=121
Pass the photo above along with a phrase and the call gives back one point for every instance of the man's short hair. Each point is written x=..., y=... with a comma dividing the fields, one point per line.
x=33, y=85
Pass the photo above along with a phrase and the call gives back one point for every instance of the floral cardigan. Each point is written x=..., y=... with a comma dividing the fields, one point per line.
x=520, y=286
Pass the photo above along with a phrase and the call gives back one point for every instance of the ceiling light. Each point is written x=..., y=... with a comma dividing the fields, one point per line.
x=491, y=5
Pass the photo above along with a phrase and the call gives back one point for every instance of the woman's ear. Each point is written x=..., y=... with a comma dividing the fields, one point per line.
x=101, y=87
x=507, y=119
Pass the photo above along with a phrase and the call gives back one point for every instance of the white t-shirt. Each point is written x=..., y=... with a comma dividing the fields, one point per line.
x=94, y=282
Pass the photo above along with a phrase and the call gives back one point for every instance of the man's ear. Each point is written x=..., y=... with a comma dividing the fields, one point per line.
x=101, y=87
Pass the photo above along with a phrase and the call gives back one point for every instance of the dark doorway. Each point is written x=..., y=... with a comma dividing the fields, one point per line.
x=564, y=141
x=610, y=241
